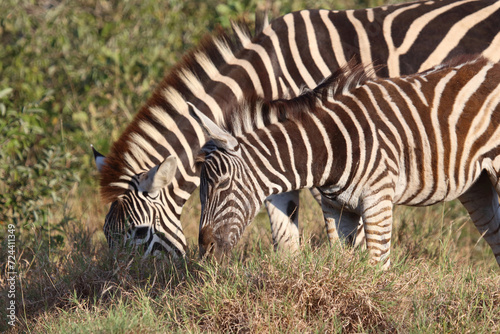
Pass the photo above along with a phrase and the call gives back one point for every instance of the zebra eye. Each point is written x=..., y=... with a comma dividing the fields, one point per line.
x=141, y=232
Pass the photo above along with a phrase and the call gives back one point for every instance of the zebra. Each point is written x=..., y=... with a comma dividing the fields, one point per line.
x=366, y=144
x=229, y=67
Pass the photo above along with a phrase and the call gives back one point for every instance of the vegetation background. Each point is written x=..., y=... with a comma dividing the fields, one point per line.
x=74, y=73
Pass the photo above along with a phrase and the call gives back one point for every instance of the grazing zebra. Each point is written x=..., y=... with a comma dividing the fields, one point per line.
x=293, y=52
x=366, y=145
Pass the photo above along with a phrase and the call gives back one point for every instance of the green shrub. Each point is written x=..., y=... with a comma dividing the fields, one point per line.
x=36, y=173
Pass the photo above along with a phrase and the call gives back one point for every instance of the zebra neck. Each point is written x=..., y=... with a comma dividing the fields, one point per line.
x=288, y=156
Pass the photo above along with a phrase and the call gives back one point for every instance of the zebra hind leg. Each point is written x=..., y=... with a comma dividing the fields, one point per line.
x=342, y=224
x=283, y=211
x=481, y=201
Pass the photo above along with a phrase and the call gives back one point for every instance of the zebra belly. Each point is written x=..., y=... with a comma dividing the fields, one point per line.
x=435, y=189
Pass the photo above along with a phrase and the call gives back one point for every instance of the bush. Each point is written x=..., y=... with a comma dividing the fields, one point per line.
x=36, y=173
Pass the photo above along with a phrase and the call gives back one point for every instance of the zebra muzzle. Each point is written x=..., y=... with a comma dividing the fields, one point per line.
x=210, y=246
x=206, y=242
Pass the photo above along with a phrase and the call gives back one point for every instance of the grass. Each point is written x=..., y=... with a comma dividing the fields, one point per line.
x=73, y=73
x=436, y=284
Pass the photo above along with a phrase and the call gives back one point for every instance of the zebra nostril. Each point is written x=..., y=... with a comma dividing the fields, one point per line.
x=207, y=250
x=210, y=249
x=206, y=241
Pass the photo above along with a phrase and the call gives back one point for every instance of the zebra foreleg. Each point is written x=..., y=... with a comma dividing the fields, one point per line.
x=342, y=224
x=377, y=218
x=481, y=201
x=283, y=211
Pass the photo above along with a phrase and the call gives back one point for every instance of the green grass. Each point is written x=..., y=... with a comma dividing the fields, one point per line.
x=320, y=288
x=435, y=284
x=73, y=73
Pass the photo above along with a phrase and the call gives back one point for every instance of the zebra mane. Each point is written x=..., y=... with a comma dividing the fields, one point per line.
x=121, y=164
x=342, y=81
x=255, y=112
x=456, y=61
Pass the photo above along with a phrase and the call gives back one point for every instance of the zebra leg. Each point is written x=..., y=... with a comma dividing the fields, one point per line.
x=377, y=217
x=332, y=216
x=481, y=201
x=283, y=211
x=342, y=224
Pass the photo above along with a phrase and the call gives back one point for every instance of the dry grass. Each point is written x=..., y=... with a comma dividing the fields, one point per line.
x=435, y=284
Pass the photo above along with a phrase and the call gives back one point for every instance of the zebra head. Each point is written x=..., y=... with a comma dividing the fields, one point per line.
x=137, y=217
x=228, y=195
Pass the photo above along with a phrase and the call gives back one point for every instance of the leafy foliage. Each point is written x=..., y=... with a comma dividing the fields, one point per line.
x=35, y=172
x=74, y=73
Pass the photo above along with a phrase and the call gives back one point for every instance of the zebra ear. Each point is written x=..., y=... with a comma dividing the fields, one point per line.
x=219, y=136
x=159, y=176
x=99, y=159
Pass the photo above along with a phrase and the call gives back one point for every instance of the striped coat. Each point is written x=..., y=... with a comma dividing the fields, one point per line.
x=366, y=144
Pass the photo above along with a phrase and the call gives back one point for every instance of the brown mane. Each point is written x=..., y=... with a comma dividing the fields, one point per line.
x=459, y=60
x=342, y=80
x=116, y=165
